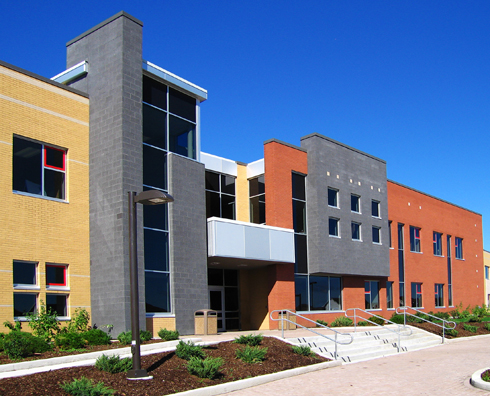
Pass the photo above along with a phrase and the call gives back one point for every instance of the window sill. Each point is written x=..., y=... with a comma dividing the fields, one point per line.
x=377, y=243
x=320, y=312
x=39, y=196
x=442, y=306
x=333, y=207
x=160, y=315
x=376, y=217
x=357, y=240
x=460, y=259
x=413, y=251
x=57, y=288
x=26, y=287
x=334, y=236
x=374, y=309
x=355, y=212
x=391, y=309
x=438, y=255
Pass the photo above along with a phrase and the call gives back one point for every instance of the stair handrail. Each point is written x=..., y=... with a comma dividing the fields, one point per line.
x=282, y=317
x=444, y=321
x=399, y=332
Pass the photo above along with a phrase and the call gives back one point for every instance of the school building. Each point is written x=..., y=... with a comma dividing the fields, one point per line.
x=315, y=228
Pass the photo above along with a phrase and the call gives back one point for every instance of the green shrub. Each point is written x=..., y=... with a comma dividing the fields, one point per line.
x=452, y=332
x=480, y=312
x=113, y=364
x=422, y=317
x=125, y=337
x=251, y=354
x=443, y=315
x=69, y=340
x=397, y=318
x=186, y=350
x=475, y=319
x=207, y=368
x=378, y=320
x=96, y=337
x=363, y=323
x=471, y=328
x=485, y=376
x=79, y=321
x=19, y=344
x=168, y=335
x=86, y=387
x=342, y=321
x=487, y=326
x=302, y=350
x=44, y=323
x=249, y=339
x=322, y=322
x=16, y=326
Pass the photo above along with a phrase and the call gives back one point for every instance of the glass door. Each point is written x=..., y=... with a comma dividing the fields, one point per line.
x=217, y=303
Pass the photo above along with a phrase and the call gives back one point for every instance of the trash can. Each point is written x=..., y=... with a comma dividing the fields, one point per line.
x=206, y=322
x=287, y=325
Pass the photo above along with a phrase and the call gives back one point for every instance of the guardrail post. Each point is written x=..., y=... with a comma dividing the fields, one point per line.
x=336, y=346
x=443, y=330
x=282, y=323
x=355, y=321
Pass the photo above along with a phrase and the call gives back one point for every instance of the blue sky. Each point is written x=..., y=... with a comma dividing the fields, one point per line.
x=406, y=81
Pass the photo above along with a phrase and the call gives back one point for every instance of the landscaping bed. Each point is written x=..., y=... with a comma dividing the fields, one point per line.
x=432, y=328
x=169, y=372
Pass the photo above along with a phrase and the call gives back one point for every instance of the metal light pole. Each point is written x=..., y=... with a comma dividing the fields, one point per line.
x=150, y=197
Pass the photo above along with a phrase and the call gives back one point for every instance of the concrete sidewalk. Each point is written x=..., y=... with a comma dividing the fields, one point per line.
x=441, y=370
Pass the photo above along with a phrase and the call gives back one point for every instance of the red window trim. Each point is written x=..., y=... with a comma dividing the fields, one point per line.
x=51, y=166
x=64, y=275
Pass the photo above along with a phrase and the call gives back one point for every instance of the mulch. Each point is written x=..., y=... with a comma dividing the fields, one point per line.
x=169, y=372
x=432, y=328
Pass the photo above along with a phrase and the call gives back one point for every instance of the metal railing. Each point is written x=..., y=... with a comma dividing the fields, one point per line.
x=451, y=324
x=398, y=332
x=284, y=316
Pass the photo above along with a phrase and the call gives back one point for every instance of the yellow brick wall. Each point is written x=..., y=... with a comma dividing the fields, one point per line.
x=242, y=196
x=155, y=324
x=34, y=228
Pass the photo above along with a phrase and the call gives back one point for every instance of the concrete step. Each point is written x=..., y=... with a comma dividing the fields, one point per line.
x=369, y=344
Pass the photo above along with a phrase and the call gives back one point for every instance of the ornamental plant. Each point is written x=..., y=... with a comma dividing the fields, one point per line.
x=249, y=339
x=207, y=368
x=86, y=387
x=168, y=335
x=44, y=323
x=188, y=350
x=251, y=354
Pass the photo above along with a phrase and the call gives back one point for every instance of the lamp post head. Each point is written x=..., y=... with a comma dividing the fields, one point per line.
x=153, y=197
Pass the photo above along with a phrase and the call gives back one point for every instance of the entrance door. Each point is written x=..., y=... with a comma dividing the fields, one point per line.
x=217, y=303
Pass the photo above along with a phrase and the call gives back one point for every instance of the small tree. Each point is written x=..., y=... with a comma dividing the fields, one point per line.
x=44, y=323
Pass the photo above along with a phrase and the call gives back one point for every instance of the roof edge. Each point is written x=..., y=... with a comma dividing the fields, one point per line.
x=285, y=144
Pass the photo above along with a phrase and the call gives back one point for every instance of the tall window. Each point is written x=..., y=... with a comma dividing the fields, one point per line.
x=356, y=231
x=169, y=118
x=376, y=235
x=299, y=203
x=439, y=289
x=437, y=244
x=487, y=272
x=401, y=265
x=256, y=188
x=355, y=203
x=417, y=295
x=38, y=169
x=414, y=239
x=389, y=295
x=333, y=197
x=389, y=234
x=371, y=293
x=458, y=245
x=220, y=195
x=449, y=272
x=375, y=208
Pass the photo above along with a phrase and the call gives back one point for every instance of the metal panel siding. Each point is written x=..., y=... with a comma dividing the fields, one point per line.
x=282, y=246
x=229, y=240
x=187, y=225
x=257, y=243
x=358, y=174
x=114, y=86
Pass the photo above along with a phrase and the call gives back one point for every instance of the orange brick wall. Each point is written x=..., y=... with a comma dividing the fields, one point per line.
x=413, y=208
x=280, y=160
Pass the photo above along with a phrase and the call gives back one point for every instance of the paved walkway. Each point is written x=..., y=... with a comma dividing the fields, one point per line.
x=441, y=370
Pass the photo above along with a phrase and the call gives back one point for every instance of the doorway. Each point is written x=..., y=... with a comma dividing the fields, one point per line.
x=217, y=303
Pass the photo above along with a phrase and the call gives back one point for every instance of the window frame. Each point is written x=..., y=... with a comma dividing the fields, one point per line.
x=337, y=221
x=369, y=291
x=417, y=297
x=356, y=227
x=23, y=318
x=487, y=272
x=437, y=243
x=358, y=203
x=59, y=286
x=43, y=166
x=415, y=240
x=379, y=235
x=336, y=192
x=26, y=286
x=458, y=248
x=66, y=316
x=439, y=295
x=389, y=295
x=377, y=204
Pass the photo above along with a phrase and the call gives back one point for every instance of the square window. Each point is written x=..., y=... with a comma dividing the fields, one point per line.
x=38, y=169
x=416, y=295
x=355, y=203
x=458, y=244
x=375, y=208
x=24, y=303
x=333, y=198
x=333, y=227
x=55, y=275
x=437, y=244
x=414, y=239
x=56, y=303
x=356, y=231
x=24, y=273
x=377, y=235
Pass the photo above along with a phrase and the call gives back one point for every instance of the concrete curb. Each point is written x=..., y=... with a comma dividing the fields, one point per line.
x=263, y=379
x=477, y=382
x=83, y=359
